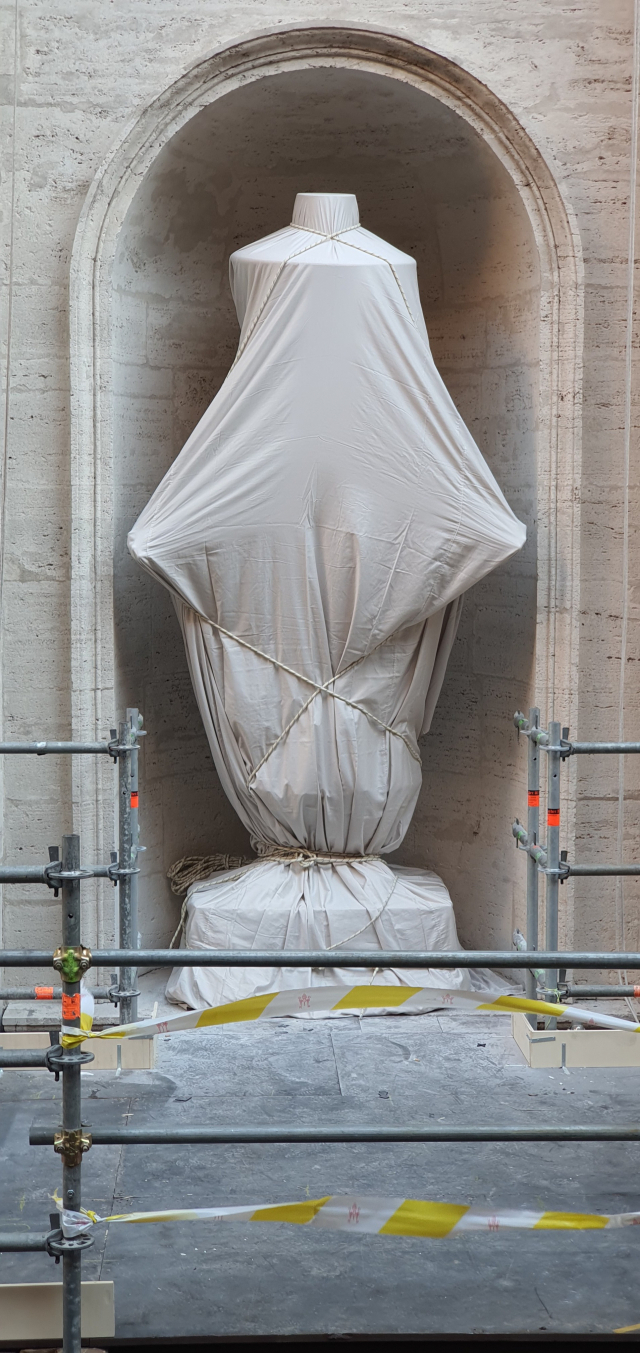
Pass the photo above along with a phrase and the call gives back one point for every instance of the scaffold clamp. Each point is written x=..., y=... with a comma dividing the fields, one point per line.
x=71, y=1143
x=72, y=963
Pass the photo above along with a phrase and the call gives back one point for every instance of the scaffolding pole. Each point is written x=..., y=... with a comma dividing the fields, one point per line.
x=127, y=860
x=553, y=863
x=51, y=994
x=71, y=960
x=55, y=748
x=16, y=1242
x=553, y=856
x=533, y=831
x=332, y=958
x=69, y=1141
x=210, y=1136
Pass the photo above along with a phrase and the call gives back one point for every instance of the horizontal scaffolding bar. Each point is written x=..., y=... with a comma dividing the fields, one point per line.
x=12, y=1241
x=593, y=748
x=40, y=873
x=23, y=1057
x=577, y=990
x=597, y=870
x=329, y=958
x=172, y=1136
x=29, y=873
x=46, y=748
x=54, y=994
x=380, y=958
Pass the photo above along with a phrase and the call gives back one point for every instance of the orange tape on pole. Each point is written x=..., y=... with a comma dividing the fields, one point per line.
x=71, y=1007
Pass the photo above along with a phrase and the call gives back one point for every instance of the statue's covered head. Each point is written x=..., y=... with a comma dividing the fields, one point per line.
x=325, y=232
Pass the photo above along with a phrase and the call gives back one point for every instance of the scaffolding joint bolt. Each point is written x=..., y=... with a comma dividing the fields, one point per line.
x=71, y=1143
x=72, y=963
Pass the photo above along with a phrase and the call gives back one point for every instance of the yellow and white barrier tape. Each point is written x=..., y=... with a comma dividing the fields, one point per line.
x=371, y=1216
x=307, y=1000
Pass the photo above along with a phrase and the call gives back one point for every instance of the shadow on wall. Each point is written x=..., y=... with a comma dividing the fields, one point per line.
x=429, y=184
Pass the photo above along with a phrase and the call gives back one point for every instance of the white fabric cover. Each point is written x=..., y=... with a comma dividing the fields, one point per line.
x=317, y=532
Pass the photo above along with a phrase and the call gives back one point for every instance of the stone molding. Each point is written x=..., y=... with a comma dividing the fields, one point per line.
x=560, y=393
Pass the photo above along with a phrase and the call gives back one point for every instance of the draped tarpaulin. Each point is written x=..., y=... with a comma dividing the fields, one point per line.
x=317, y=532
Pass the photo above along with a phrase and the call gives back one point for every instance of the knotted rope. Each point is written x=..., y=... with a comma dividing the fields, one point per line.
x=307, y=858
x=199, y=868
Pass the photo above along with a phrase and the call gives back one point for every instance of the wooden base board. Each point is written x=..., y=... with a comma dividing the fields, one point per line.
x=575, y=1047
x=34, y=1311
x=130, y=1054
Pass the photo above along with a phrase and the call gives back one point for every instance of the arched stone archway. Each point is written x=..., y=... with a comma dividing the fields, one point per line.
x=125, y=185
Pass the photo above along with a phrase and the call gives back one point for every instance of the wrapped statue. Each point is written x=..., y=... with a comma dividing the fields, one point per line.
x=317, y=533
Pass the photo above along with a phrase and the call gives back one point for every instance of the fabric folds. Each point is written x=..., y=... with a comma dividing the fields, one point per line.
x=317, y=532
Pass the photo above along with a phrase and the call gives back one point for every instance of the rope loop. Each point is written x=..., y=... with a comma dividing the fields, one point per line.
x=322, y=239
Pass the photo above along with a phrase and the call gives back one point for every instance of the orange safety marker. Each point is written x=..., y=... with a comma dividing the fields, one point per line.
x=70, y=1007
x=553, y=817
x=534, y=798
x=134, y=798
x=44, y=993
x=636, y=991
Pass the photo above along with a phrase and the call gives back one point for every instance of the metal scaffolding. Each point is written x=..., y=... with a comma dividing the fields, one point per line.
x=553, y=863
x=64, y=874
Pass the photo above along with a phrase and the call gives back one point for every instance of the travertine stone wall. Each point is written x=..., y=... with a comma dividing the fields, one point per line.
x=426, y=181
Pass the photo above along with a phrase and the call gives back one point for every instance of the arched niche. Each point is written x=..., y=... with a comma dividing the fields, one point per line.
x=439, y=178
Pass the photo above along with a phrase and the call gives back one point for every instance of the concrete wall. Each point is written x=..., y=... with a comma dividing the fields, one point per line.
x=433, y=187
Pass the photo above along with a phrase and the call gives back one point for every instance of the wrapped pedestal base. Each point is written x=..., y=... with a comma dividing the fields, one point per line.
x=362, y=905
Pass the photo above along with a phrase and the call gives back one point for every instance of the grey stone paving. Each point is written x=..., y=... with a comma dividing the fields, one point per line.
x=186, y=1279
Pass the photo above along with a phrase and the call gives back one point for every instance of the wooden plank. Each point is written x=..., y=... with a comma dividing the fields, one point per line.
x=34, y=1311
x=136, y=1054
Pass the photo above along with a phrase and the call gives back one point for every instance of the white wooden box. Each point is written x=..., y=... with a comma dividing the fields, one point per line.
x=575, y=1047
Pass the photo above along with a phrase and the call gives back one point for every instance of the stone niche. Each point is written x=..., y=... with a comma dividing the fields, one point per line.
x=429, y=183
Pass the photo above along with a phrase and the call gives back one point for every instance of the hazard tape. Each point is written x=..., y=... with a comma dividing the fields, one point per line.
x=370, y=1216
x=308, y=1000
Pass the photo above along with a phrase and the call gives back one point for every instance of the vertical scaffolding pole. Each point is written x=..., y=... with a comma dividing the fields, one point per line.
x=71, y=1095
x=553, y=852
x=533, y=830
x=127, y=857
